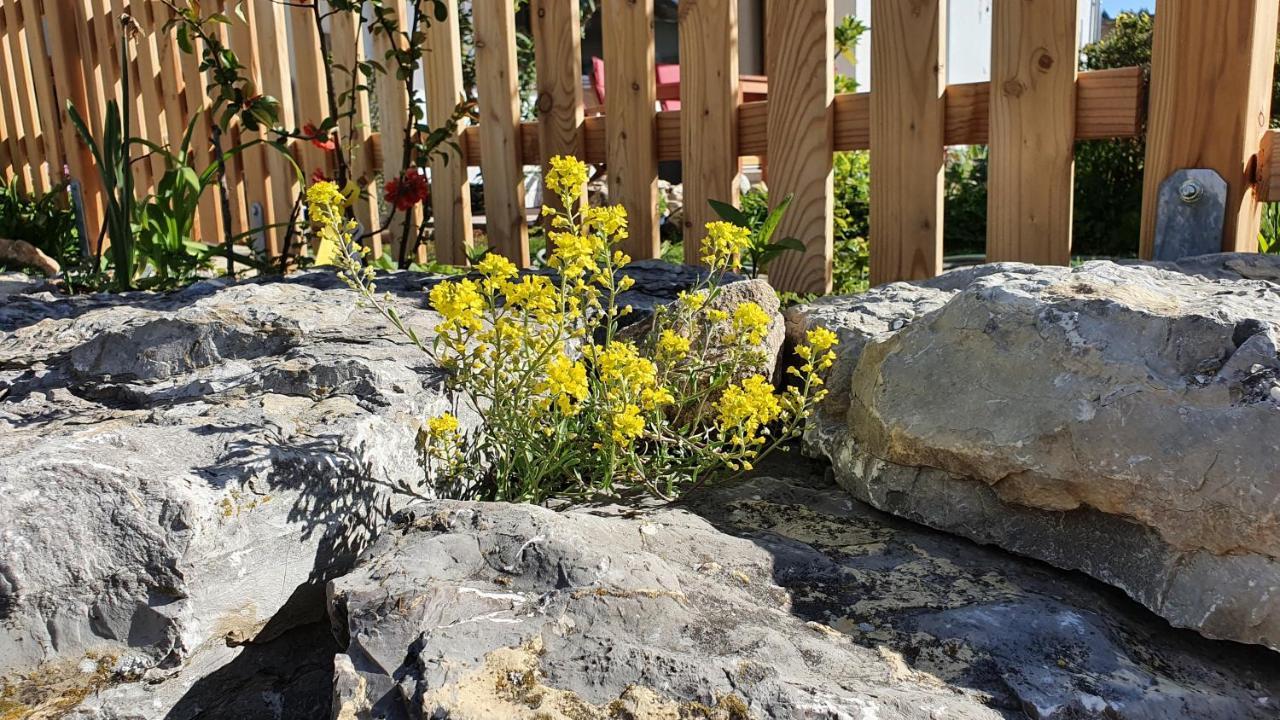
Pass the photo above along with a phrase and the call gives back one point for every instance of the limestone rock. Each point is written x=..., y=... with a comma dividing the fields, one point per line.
x=1111, y=419
x=776, y=597
x=189, y=468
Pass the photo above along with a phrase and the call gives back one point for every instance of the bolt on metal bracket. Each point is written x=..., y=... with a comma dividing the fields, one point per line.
x=1191, y=209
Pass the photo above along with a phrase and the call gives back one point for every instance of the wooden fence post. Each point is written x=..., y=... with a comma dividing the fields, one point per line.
x=1032, y=137
x=499, y=98
x=557, y=47
x=908, y=110
x=277, y=80
x=42, y=76
x=631, y=91
x=347, y=46
x=69, y=76
x=16, y=107
x=801, y=50
x=393, y=107
x=709, y=100
x=1211, y=73
x=450, y=192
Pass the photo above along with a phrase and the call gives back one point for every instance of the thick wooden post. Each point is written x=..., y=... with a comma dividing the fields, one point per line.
x=68, y=74
x=499, y=97
x=450, y=194
x=1211, y=72
x=308, y=79
x=347, y=47
x=1032, y=161
x=393, y=106
x=709, y=99
x=801, y=48
x=631, y=91
x=557, y=47
x=908, y=81
x=276, y=73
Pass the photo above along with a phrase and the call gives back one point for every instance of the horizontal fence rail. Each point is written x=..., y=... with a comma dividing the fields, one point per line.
x=57, y=51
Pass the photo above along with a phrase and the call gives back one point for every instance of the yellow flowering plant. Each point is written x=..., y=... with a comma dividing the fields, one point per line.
x=570, y=405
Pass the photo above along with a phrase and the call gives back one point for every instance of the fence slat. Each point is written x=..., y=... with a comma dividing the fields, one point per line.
x=1211, y=72
x=1032, y=157
x=709, y=98
x=22, y=147
x=146, y=68
x=630, y=95
x=348, y=49
x=557, y=47
x=312, y=99
x=275, y=66
x=450, y=193
x=42, y=76
x=65, y=22
x=499, y=98
x=393, y=107
x=908, y=72
x=801, y=49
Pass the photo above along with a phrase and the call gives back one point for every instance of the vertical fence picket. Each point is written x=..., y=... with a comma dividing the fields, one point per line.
x=908, y=77
x=631, y=93
x=312, y=97
x=196, y=100
x=347, y=46
x=393, y=108
x=1032, y=138
x=255, y=181
x=450, y=193
x=557, y=46
x=1211, y=74
x=499, y=104
x=42, y=78
x=273, y=49
x=801, y=49
x=69, y=74
x=20, y=149
x=709, y=98
x=146, y=66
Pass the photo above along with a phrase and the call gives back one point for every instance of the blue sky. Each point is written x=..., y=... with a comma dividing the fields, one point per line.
x=1111, y=7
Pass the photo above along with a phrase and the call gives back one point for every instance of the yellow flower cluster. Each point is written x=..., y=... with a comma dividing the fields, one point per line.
x=745, y=408
x=325, y=203
x=568, y=405
x=750, y=323
x=723, y=245
x=566, y=178
x=671, y=346
x=565, y=385
x=460, y=303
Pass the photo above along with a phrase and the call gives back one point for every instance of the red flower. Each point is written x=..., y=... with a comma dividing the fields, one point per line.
x=319, y=176
x=324, y=141
x=407, y=190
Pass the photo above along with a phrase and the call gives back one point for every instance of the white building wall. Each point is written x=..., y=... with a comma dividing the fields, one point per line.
x=968, y=37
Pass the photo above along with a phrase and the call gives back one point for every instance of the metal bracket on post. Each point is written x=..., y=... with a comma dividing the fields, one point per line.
x=1191, y=209
x=257, y=221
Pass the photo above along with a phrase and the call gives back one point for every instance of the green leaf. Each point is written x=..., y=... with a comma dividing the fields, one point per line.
x=184, y=39
x=771, y=222
x=729, y=213
x=789, y=243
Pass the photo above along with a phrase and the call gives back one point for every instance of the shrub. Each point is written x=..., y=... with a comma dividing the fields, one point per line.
x=568, y=407
x=44, y=221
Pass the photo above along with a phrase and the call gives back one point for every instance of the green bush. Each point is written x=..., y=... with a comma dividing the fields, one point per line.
x=45, y=221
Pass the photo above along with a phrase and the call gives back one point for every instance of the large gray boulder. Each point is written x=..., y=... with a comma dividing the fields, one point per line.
x=1119, y=420
x=774, y=597
x=189, y=469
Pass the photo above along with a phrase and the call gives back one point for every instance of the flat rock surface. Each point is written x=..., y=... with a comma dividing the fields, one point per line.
x=775, y=597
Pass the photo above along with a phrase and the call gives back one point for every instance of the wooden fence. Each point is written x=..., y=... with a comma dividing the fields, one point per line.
x=1208, y=105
